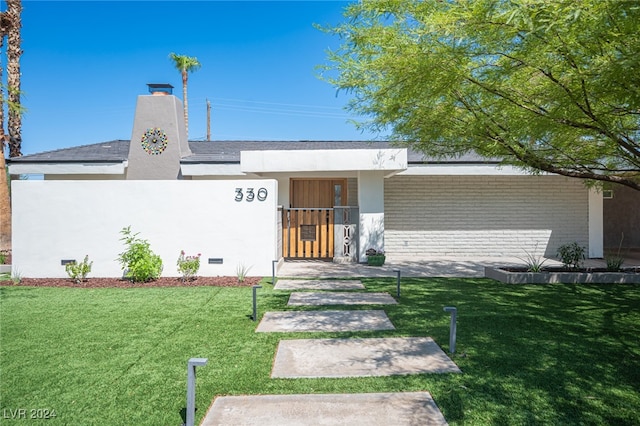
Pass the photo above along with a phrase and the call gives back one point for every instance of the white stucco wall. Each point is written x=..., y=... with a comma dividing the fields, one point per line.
x=596, y=224
x=371, y=202
x=484, y=215
x=57, y=220
x=324, y=160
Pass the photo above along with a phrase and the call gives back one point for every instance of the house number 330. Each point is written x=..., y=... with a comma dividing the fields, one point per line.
x=249, y=194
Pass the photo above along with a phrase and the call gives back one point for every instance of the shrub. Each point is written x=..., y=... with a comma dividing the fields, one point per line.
x=78, y=271
x=188, y=266
x=139, y=263
x=571, y=255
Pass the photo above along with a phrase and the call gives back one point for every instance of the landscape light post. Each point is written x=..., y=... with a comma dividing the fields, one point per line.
x=273, y=272
x=452, y=328
x=191, y=388
x=255, y=302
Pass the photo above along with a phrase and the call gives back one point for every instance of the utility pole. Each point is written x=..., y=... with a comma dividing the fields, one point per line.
x=208, y=120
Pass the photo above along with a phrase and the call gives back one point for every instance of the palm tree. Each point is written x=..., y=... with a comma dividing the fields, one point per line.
x=14, y=51
x=10, y=27
x=185, y=64
x=5, y=205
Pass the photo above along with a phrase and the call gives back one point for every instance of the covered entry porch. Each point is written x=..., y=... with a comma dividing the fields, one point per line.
x=331, y=201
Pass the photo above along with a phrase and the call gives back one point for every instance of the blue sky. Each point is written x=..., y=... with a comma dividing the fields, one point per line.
x=85, y=63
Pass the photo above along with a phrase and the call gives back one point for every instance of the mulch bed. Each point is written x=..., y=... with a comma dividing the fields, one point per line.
x=121, y=283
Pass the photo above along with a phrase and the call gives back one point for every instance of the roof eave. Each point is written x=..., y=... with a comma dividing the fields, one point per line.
x=68, y=168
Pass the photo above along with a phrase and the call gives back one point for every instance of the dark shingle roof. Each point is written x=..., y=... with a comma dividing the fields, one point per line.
x=107, y=152
x=223, y=151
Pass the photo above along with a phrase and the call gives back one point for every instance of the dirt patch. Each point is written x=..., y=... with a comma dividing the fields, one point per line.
x=121, y=283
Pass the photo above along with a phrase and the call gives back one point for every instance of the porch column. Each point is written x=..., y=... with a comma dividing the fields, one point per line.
x=371, y=204
x=596, y=224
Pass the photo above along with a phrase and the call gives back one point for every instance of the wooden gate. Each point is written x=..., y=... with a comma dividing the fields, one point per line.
x=307, y=233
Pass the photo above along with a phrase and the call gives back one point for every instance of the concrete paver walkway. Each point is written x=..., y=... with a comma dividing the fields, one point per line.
x=293, y=321
x=428, y=267
x=360, y=357
x=284, y=284
x=458, y=267
x=371, y=409
x=340, y=298
x=354, y=357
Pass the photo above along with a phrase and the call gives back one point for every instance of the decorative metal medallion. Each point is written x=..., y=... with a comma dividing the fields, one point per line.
x=154, y=141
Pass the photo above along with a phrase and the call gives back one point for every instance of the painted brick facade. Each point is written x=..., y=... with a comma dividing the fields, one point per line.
x=483, y=215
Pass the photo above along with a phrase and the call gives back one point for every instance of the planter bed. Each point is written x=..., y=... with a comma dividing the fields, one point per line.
x=511, y=275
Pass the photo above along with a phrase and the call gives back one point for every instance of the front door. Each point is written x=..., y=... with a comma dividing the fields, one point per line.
x=318, y=193
x=308, y=224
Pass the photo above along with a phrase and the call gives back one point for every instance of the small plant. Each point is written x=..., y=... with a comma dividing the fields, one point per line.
x=78, y=271
x=242, y=271
x=532, y=261
x=188, y=266
x=3, y=258
x=571, y=255
x=374, y=252
x=139, y=263
x=375, y=257
x=16, y=277
x=614, y=262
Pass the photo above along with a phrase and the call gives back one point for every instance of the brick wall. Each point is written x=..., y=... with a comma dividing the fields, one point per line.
x=483, y=215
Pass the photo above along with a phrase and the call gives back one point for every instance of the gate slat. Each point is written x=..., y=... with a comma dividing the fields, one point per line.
x=316, y=243
x=294, y=234
x=330, y=241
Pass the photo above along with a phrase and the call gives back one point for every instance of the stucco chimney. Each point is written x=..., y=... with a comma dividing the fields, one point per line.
x=159, y=137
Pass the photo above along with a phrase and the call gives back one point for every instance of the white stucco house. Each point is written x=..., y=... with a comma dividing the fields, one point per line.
x=255, y=202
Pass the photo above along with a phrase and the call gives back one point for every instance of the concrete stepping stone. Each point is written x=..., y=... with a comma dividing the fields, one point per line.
x=312, y=358
x=339, y=298
x=283, y=284
x=371, y=409
x=324, y=321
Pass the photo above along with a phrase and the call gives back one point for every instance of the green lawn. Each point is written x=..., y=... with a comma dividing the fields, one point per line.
x=554, y=354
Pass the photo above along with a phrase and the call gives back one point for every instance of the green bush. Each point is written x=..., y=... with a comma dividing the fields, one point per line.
x=571, y=255
x=78, y=271
x=138, y=262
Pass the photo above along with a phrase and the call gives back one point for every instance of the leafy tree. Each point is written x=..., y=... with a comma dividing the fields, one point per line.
x=185, y=64
x=549, y=86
